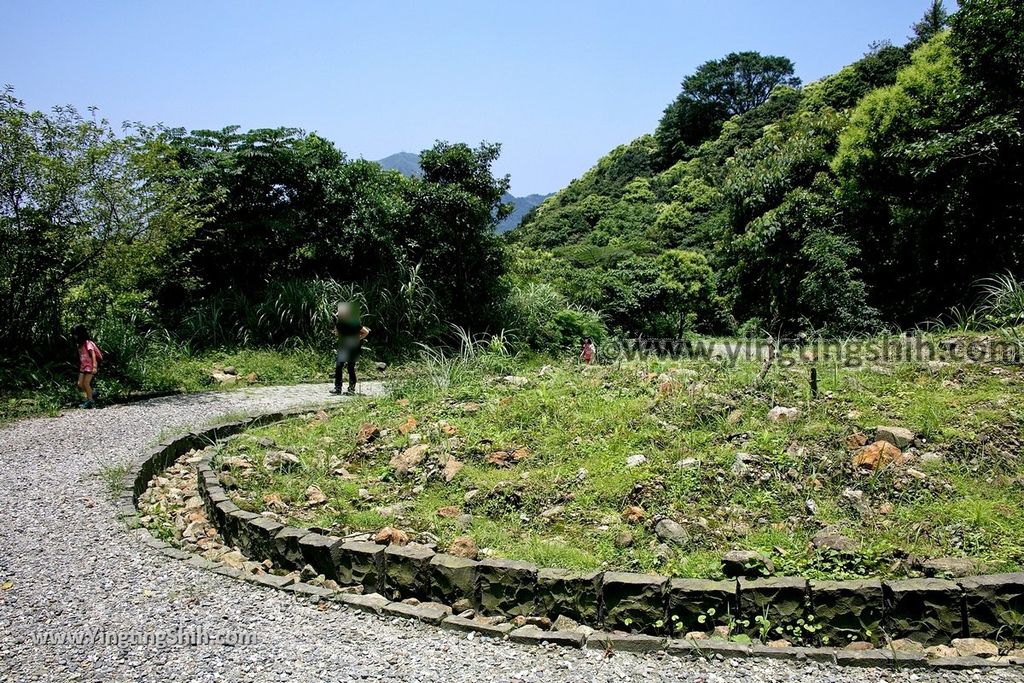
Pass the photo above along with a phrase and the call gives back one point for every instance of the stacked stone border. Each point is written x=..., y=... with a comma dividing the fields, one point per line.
x=631, y=612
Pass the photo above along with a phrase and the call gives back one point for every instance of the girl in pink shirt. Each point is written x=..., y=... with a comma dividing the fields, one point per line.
x=89, y=357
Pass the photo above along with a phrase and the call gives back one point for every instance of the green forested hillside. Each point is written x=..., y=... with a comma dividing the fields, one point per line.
x=876, y=196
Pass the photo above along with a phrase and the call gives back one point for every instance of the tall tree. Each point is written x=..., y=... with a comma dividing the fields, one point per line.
x=739, y=81
x=934, y=20
x=719, y=89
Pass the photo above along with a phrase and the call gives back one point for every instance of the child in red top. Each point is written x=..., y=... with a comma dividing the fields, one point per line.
x=89, y=357
x=589, y=352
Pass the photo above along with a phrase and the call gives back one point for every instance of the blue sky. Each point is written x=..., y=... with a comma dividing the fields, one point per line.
x=557, y=83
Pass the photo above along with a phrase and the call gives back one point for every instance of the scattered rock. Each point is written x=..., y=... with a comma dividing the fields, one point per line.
x=671, y=531
x=516, y=380
x=975, y=647
x=451, y=468
x=826, y=540
x=368, y=433
x=856, y=440
x=812, y=507
x=281, y=461
x=906, y=645
x=899, y=437
x=624, y=540
x=735, y=417
x=314, y=496
x=552, y=512
x=941, y=651
x=564, y=623
x=463, y=605
x=931, y=459
x=876, y=456
x=449, y=512
x=779, y=643
x=859, y=646
x=696, y=635
x=747, y=563
x=223, y=377
x=381, y=366
x=508, y=458
x=633, y=514
x=409, y=458
x=463, y=546
x=635, y=460
x=956, y=567
x=389, y=535
x=783, y=414
x=407, y=426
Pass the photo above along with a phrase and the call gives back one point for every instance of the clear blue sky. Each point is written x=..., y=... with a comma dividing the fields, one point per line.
x=557, y=83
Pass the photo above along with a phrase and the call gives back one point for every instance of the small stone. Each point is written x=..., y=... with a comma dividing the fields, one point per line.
x=451, y=468
x=381, y=366
x=735, y=417
x=825, y=540
x=281, y=461
x=779, y=643
x=463, y=605
x=633, y=514
x=783, y=414
x=906, y=645
x=941, y=651
x=624, y=540
x=464, y=546
x=516, y=380
x=391, y=536
x=956, y=567
x=564, y=623
x=876, y=456
x=449, y=512
x=899, y=437
x=931, y=459
x=368, y=433
x=408, y=459
x=746, y=563
x=314, y=496
x=856, y=440
x=552, y=512
x=859, y=646
x=696, y=635
x=975, y=647
x=671, y=531
x=636, y=460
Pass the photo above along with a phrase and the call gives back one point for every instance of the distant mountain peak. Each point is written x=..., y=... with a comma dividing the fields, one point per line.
x=408, y=164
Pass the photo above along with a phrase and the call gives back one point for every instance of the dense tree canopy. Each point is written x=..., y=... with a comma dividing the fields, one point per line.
x=878, y=195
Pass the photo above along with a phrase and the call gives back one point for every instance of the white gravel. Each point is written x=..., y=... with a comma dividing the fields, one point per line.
x=81, y=579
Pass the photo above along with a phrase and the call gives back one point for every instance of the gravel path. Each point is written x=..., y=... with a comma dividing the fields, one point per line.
x=83, y=587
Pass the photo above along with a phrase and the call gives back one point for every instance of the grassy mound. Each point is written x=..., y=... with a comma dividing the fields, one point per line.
x=578, y=467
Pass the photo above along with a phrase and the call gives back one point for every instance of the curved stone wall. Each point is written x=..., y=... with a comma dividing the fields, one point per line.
x=650, y=608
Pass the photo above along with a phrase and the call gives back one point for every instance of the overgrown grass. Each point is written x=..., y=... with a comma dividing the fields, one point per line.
x=563, y=504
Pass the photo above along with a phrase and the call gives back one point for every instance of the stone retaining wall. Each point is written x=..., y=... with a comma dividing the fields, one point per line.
x=930, y=611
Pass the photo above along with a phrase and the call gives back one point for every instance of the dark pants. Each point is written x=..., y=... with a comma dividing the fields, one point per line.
x=342, y=360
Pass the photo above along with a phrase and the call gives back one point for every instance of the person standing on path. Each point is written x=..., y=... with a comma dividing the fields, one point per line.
x=350, y=333
x=89, y=357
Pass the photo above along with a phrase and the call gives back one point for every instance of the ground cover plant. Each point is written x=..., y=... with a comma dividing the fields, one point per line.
x=664, y=465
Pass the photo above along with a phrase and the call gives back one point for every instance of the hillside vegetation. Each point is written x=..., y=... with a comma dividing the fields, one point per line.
x=876, y=196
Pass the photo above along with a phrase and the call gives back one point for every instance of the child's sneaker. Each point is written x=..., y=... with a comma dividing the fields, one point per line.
x=85, y=404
